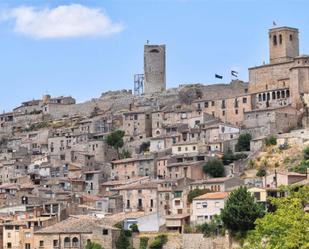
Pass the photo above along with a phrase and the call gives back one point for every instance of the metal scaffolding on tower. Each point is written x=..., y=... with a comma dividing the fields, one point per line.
x=138, y=84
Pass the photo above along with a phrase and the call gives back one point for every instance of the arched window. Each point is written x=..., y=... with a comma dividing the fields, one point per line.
x=67, y=242
x=287, y=93
x=282, y=94
x=273, y=95
x=291, y=37
x=264, y=96
x=268, y=96
x=275, y=40
x=280, y=39
x=278, y=95
x=260, y=97
x=75, y=242
x=154, y=51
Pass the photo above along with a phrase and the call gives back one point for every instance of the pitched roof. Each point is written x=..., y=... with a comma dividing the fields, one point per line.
x=75, y=224
x=214, y=195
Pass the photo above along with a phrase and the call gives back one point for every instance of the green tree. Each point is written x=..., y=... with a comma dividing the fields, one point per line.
x=122, y=242
x=195, y=193
x=243, y=143
x=240, y=212
x=302, y=167
x=115, y=139
x=286, y=228
x=93, y=245
x=143, y=242
x=213, y=228
x=214, y=167
x=261, y=172
x=144, y=147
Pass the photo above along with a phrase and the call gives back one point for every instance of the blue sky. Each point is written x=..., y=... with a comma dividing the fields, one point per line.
x=202, y=38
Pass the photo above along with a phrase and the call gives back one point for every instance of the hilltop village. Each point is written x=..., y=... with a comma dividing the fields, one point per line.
x=72, y=172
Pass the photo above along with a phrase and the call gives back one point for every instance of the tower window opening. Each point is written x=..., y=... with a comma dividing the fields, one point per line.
x=291, y=37
x=280, y=39
x=273, y=95
x=264, y=96
x=275, y=40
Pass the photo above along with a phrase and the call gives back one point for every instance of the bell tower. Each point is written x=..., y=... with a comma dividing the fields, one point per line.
x=283, y=44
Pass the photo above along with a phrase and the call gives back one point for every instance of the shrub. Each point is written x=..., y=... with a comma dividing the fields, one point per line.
x=261, y=172
x=229, y=157
x=144, y=147
x=158, y=242
x=143, y=242
x=302, y=167
x=306, y=153
x=243, y=143
x=214, y=168
x=213, y=228
x=284, y=146
x=134, y=228
x=271, y=140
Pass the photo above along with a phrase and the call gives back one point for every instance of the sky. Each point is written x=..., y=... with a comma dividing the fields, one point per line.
x=83, y=48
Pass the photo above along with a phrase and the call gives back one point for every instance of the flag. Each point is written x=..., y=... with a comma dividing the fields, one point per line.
x=234, y=73
x=219, y=76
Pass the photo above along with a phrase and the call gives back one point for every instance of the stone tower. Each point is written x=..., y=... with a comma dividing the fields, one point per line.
x=154, y=68
x=283, y=44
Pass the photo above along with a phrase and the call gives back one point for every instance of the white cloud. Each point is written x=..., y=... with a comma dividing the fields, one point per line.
x=64, y=21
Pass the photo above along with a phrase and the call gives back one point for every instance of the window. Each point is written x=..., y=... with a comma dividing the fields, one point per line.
x=206, y=104
x=179, y=148
x=105, y=232
x=177, y=202
x=194, y=148
x=257, y=196
x=223, y=104
x=287, y=93
x=273, y=95
x=140, y=191
x=223, y=113
x=140, y=203
x=280, y=39
x=151, y=203
x=41, y=243
x=274, y=40
x=244, y=100
x=55, y=243
x=291, y=37
x=9, y=235
x=236, y=111
x=128, y=203
x=213, y=103
x=75, y=242
x=9, y=245
x=282, y=94
x=260, y=97
x=67, y=242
